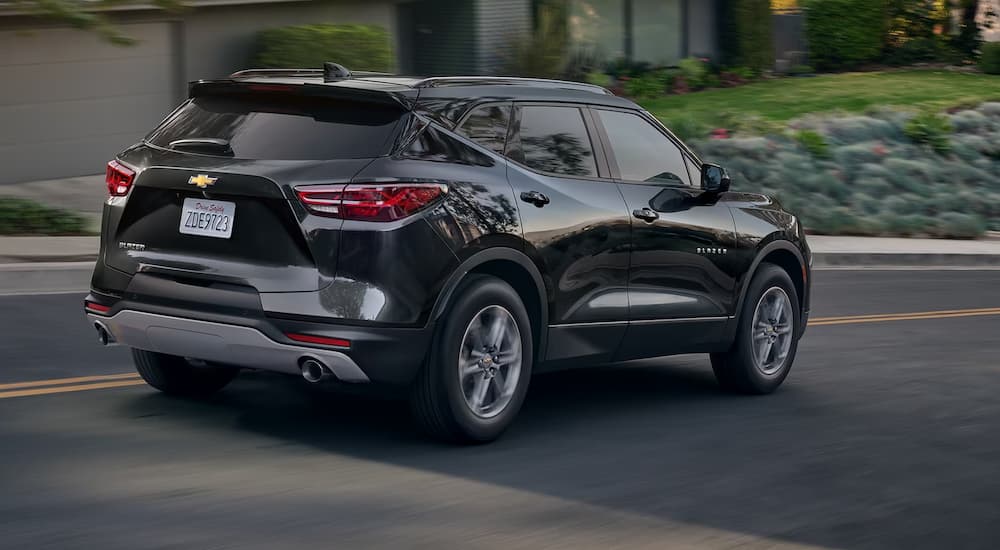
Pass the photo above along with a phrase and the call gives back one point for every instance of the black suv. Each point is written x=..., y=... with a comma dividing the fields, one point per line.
x=447, y=236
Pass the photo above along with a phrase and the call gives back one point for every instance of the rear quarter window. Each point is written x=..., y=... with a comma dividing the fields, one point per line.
x=285, y=127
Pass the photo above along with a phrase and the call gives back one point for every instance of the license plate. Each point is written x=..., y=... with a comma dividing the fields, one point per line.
x=208, y=218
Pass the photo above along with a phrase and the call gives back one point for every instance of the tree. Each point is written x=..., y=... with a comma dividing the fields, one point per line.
x=88, y=15
x=969, y=36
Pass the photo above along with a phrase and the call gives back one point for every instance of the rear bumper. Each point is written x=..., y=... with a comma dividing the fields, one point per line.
x=220, y=343
x=253, y=339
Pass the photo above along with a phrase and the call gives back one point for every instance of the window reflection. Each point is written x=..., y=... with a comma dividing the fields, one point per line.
x=555, y=140
x=487, y=126
x=642, y=152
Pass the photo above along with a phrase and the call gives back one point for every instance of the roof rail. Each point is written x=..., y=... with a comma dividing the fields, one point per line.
x=438, y=81
x=251, y=73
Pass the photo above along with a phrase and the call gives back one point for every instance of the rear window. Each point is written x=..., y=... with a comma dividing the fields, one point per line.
x=285, y=127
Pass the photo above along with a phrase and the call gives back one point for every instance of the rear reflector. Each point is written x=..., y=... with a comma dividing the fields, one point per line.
x=374, y=202
x=95, y=307
x=321, y=340
x=118, y=179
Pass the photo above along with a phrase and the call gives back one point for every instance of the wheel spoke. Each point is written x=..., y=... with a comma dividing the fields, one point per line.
x=499, y=384
x=479, y=393
x=764, y=352
x=497, y=332
x=470, y=369
x=783, y=329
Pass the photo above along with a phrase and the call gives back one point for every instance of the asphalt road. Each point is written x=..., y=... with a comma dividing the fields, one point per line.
x=886, y=435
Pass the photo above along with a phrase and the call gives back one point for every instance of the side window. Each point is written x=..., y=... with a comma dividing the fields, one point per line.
x=487, y=125
x=642, y=152
x=555, y=140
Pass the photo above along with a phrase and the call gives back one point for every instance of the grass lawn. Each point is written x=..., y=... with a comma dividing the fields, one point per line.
x=787, y=98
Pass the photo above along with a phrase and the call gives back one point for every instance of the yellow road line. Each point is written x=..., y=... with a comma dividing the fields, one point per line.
x=944, y=314
x=66, y=389
x=64, y=381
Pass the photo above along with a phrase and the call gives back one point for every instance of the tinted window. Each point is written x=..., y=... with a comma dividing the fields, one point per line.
x=555, y=139
x=285, y=127
x=487, y=126
x=643, y=153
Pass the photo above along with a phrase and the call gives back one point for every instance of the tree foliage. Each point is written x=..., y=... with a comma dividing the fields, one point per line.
x=844, y=34
x=88, y=15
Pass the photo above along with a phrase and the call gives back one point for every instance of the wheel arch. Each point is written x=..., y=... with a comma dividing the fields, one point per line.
x=516, y=269
x=785, y=255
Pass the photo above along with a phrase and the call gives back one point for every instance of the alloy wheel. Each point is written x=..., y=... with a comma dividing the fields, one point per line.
x=490, y=361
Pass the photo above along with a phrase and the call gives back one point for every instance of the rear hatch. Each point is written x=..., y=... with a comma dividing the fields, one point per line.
x=213, y=191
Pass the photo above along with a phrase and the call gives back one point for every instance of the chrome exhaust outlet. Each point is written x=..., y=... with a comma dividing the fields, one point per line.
x=314, y=371
x=104, y=335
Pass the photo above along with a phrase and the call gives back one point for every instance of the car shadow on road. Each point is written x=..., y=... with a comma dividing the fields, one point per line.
x=655, y=438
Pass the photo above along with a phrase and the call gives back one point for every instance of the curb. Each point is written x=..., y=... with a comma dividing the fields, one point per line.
x=921, y=260
x=45, y=277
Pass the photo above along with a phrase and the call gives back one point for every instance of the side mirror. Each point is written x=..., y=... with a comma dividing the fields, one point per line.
x=714, y=179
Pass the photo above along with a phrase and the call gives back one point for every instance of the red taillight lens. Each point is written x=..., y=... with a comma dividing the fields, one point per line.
x=118, y=179
x=321, y=340
x=370, y=202
x=95, y=307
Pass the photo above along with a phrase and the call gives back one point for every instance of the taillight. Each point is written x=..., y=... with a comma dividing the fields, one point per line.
x=374, y=202
x=321, y=340
x=118, y=179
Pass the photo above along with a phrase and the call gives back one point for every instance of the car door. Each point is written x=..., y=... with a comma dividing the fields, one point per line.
x=681, y=285
x=576, y=228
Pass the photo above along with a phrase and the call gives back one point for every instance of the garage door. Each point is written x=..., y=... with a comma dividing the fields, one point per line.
x=69, y=102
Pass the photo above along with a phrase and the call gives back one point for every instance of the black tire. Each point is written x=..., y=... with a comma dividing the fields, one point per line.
x=437, y=400
x=736, y=370
x=176, y=376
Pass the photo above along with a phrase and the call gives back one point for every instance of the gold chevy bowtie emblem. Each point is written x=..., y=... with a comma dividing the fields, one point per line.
x=201, y=180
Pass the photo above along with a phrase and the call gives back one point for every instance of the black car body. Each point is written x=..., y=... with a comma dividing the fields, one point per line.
x=362, y=203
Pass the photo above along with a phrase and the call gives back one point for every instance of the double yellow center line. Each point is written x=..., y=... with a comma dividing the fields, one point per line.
x=854, y=319
x=85, y=383
x=65, y=385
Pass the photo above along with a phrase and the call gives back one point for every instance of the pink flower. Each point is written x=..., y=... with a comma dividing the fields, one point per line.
x=720, y=133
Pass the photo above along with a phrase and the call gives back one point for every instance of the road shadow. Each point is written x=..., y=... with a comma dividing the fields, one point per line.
x=655, y=438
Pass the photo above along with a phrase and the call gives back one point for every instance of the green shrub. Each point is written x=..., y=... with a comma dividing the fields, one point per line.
x=688, y=127
x=25, y=217
x=649, y=85
x=930, y=129
x=799, y=70
x=956, y=225
x=814, y=142
x=748, y=36
x=694, y=72
x=843, y=34
x=908, y=225
x=921, y=49
x=989, y=60
x=855, y=129
x=969, y=121
x=357, y=47
x=851, y=157
x=599, y=78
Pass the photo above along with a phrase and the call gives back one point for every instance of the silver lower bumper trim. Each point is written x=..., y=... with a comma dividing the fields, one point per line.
x=220, y=343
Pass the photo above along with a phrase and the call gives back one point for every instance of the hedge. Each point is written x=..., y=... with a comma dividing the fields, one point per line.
x=844, y=34
x=357, y=47
x=25, y=217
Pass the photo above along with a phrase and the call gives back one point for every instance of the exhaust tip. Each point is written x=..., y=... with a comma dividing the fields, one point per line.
x=104, y=335
x=314, y=371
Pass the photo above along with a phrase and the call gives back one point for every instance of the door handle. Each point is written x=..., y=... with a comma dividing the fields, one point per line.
x=534, y=197
x=646, y=214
